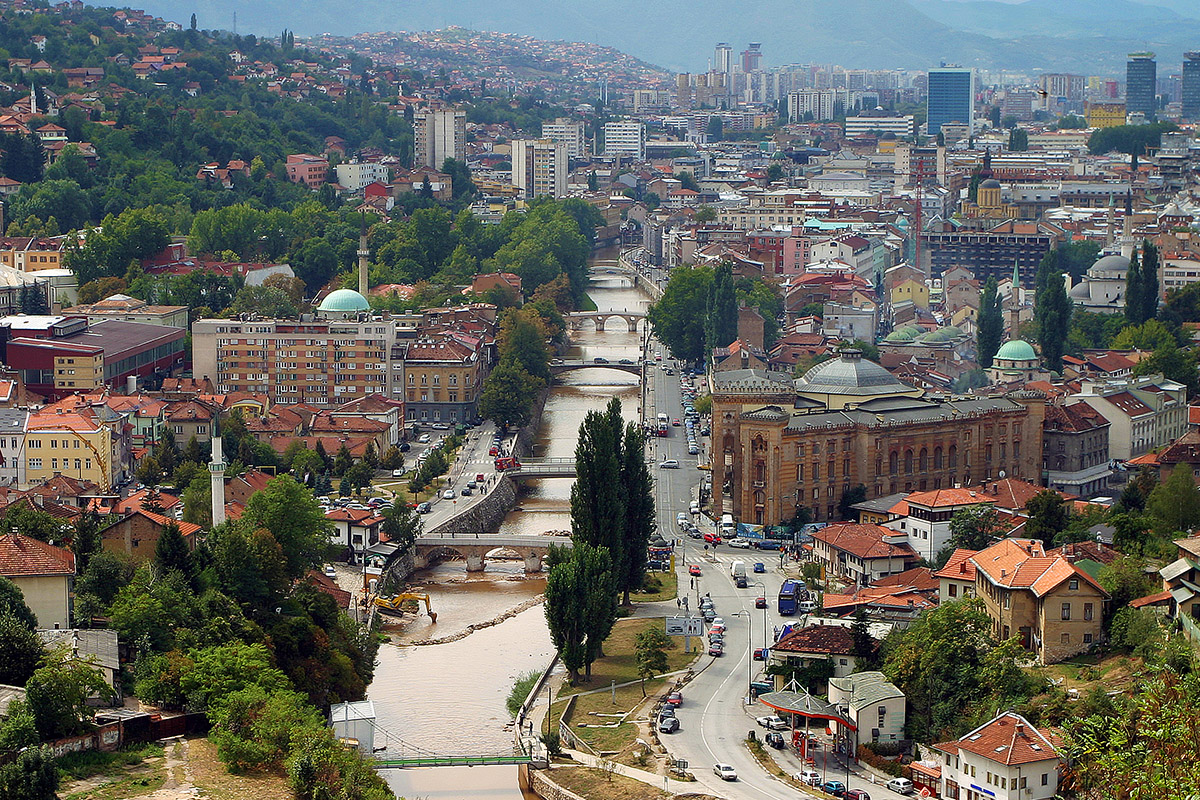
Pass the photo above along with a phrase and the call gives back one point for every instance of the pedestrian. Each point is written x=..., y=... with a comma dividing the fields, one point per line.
x=678, y=603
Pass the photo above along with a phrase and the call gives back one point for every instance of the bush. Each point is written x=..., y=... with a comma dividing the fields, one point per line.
x=253, y=729
x=553, y=742
x=520, y=691
x=1136, y=630
x=870, y=757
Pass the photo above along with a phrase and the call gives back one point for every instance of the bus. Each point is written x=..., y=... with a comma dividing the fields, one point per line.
x=789, y=597
x=664, y=425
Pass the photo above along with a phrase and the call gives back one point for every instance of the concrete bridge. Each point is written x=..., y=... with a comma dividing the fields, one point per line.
x=543, y=468
x=576, y=319
x=476, y=547
x=569, y=366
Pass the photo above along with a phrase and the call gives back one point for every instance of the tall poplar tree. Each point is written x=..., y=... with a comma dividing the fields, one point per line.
x=581, y=605
x=597, y=517
x=1052, y=309
x=1133, y=291
x=722, y=309
x=991, y=323
x=1149, y=281
x=637, y=488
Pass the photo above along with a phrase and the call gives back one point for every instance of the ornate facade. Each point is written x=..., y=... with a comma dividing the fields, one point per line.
x=780, y=444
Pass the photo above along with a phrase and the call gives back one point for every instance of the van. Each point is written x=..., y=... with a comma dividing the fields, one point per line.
x=728, y=526
x=807, y=606
x=694, y=507
x=900, y=785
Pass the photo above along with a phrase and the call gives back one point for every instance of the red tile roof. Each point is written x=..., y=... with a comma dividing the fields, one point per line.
x=959, y=567
x=941, y=498
x=1024, y=564
x=1008, y=739
x=864, y=541
x=825, y=639
x=23, y=556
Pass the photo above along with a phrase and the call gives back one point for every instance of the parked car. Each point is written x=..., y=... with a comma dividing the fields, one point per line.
x=330, y=572
x=668, y=725
x=675, y=699
x=656, y=565
x=835, y=788
x=900, y=785
x=857, y=794
x=775, y=740
x=718, y=624
x=716, y=649
x=405, y=447
x=740, y=544
x=773, y=722
x=807, y=606
x=808, y=776
x=423, y=438
x=725, y=772
x=397, y=473
x=666, y=711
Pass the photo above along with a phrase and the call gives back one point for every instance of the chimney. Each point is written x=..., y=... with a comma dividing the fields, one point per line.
x=1020, y=729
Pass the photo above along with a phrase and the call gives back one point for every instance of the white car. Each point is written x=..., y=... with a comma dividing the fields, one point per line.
x=670, y=463
x=740, y=544
x=448, y=494
x=423, y=438
x=808, y=776
x=725, y=772
x=772, y=722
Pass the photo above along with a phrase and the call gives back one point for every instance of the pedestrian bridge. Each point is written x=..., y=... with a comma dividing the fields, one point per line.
x=576, y=319
x=451, y=761
x=543, y=468
x=475, y=548
x=560, y=367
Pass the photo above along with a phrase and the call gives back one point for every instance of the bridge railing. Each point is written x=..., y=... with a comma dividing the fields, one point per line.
x=451, y=761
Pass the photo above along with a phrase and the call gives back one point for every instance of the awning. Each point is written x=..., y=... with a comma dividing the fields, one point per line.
x=805, y=705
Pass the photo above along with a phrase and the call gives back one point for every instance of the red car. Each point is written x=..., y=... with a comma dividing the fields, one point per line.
x=676, y=423
x=493, y=451
x=675, y=699
x=694, y=570
x=760, y=602
x=760, y=654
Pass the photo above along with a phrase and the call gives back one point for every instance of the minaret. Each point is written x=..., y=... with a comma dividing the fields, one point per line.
x=1127, y=243
x=1110, y=232
x=32, y=98
x=216, y=469
x=363, y=255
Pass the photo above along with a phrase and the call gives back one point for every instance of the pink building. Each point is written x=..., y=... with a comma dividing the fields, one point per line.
x=307, y=169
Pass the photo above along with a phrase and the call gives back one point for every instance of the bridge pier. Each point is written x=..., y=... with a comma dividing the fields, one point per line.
x=600, y=323
x=533, y=562
x=633, y=324
x=475, y=561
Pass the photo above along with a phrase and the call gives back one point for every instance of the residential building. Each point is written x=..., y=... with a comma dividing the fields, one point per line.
x=96, y=646
x=44, y=574
x=136, y=534
x=1141, y=85
x=779, y=444
x=1075, y=449
x=1191, y=86
x=951, y=98
x=322, y=362
x=1005, y=759
x=1181, y=578
x=307, y=169
x=875, y=126
x=626, y=139
x=540, y=167
x=439, y=134
x=806, y=646
x=1052, y=606
x=989, y=253
x=956, y=579
x=442, y=378
x=1144, y=413
x=32, y=254
x=875, y=706
x=59, y=356
x=572, y=133
x=354, y=529
x=1104, y=114
x=13, y=422
x=862, y=554
x=130, y=309
x=72, y=438
x=927, y=522
x=191, y=418
x=355, y=176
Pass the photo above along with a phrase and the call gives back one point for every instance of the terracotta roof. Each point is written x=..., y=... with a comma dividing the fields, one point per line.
x=1184, y=450
x=883, y=597
x=134, y=501
x=1158, y=598
x=941, y=498
x=1012, y=493
x=864, y=541
x=327, y=585
x=357, y=516
x=25, y=556
x=959, y=567
x=1008, y=739
x=1129, y=404
x=1144, y=460
x=1024, y=564
x=1110, y=362
x=1076, y=418
x=826, y=639
x=186, y=528
x=919, y=578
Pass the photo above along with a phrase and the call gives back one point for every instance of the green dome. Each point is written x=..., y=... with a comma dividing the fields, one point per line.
x=1016, y=350
x=344, y=301
x=952, y=330
x=935, y=337
x=899, y=337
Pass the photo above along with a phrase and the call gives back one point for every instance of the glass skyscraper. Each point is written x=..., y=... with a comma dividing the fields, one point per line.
x=951, y=98
x=1191, y=86
x=1141, y=74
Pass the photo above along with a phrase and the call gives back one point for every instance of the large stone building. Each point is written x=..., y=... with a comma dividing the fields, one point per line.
x=780, y=444
x=1075, y=449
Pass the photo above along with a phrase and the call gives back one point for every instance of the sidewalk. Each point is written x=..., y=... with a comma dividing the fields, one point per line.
x=649, y=778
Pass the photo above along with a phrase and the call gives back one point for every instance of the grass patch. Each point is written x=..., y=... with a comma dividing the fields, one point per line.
x=597, y=784
x=133, y=786
x=77, y=766
x=620, y=663
x=586, y=303
x=657, y=586
x=520, y=690
x=210, y=775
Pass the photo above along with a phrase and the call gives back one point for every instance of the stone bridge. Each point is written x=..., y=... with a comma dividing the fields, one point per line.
x=576, y=319
x=560, y=367
x=475, y=548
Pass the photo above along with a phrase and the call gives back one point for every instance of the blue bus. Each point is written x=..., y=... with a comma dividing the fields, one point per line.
x=789, y=597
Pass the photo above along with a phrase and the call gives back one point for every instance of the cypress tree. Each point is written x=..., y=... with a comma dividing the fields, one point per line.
x=1133, y=292
x=991, y=323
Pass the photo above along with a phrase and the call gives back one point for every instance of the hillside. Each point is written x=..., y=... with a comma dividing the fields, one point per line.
x=1051, y=34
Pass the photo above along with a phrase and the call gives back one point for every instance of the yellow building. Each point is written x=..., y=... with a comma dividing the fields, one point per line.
x=69, y=438
x=909, y=290
x=31, y=254
x=1104, y=115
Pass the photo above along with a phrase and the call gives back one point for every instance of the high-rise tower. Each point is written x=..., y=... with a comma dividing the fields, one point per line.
x=1141, y=83
x=1191, y=86
x=951, y=98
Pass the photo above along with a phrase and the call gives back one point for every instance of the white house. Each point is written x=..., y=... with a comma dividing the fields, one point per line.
x=1005, y=759
x=927, y=523
x=875, y=706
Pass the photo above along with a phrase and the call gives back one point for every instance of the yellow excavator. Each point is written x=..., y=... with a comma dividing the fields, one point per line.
x=396, y=604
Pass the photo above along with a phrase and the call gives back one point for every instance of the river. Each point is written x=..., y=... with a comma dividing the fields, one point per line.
x=450, y=698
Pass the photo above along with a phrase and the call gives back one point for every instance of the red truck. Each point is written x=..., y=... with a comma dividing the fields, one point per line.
x=507, y=462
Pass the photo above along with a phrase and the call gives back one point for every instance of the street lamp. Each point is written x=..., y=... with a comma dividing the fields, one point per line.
x=749, y=653
x=767, y=641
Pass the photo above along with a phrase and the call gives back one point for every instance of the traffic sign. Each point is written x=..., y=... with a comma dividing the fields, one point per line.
x=685, y=626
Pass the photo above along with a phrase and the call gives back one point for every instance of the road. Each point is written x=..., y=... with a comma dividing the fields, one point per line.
x=714, y=719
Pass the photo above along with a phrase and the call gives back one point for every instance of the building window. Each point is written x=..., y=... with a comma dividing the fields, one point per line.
x=908, y=462
x=1087, y=611
x=893, y=462
x=35, y=463
x=799, y=472
x=937, y=458
x=1066, y=611
x=1074, y=584
x=1064, y=638
x=1087, y=638
x=953, y=456
x=953, y=590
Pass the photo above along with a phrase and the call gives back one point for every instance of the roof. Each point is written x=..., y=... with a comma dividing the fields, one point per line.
x=1076, y=418
x=1184, y=450
x=824, y=639
x=959, y=566
x=1008, y=739
x=97, y=643
x=943, y=498
x=23, y=556
x=866, y=688
x=134, y=501
x=864, y=540
x=1017, y=350
x=344, y=300
x=1012, y=493
x=1024, y=564
x=850, y=374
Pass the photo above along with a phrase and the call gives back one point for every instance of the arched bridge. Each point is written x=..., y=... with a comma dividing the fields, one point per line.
x=612, y=267
x=576, y=319
x=567, y=366
x=475, y=547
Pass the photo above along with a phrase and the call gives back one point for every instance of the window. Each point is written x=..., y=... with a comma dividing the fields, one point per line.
x=1065, y=638
x=1087, y=638
x=953, y=591
x=799, y=472
x=35, y=463
x=1066, y=611
x=1087, y=611
x=1045, y=778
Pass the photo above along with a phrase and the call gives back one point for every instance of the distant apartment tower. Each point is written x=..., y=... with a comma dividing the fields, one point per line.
x=951, y=98
x=1068, y=88
x=723, y=58
x=752, y=57
x=439, y=135
x=1141, y=79
x=867, y=126
x=571, y=133
x=816, y=104
x=683, y=90
x=539, y=167
x=1191, y=86
x=626, y=139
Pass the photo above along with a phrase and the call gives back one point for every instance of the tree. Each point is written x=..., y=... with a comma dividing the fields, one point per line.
x=650, y=650
x=1048, y=516
x=288, y=510
x=31, y=776
x=990, y=323
x=20, y=651
x=974, y=527
x=12, y=604
x=342, y=461
x=1132, y=140
x=401, y=526
x=676, y=316
x=522, y=338
x=597, y=516
x=58, y=691
x=705, y=214
x=253, y=727
x=18, y=729
x=1052, y=310
x=1018, y=140
x=1133, y=292
x=1125, y=579
x=581, y=605
x=1175, y=503
x=721, y=325
x=852, y=495
x=866, y=650
x=1149, y=288
x=638, y=524
x=171, y=551
x=508, y=394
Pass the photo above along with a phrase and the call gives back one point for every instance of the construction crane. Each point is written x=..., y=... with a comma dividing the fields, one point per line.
x=395, y=604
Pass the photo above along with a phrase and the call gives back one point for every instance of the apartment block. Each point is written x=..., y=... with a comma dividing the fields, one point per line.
x=540, y=167
x=572, y=133
x=626, y=139
x=307, y=169
x=439, y=134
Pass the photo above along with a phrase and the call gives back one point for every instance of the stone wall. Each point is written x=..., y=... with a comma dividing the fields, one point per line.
x=547, y=789
x=483, y=517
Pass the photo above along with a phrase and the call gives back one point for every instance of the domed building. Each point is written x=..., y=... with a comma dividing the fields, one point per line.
x=850, y=380
x=1016, y=360
x=343, y=304
x=1102, y=288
